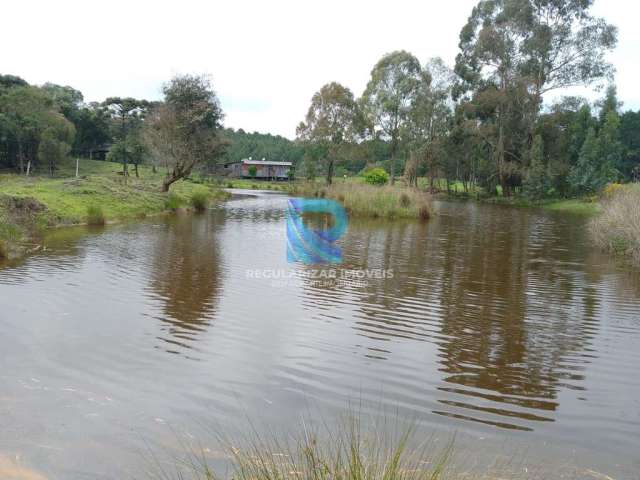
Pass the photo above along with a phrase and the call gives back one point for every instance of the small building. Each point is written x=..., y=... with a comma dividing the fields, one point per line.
x=264, y=170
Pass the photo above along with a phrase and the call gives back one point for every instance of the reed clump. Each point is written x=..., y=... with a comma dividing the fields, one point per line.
x=617, y=228
x=200, y=200
x=373, y=201
x=95, y=215
x=348, y=452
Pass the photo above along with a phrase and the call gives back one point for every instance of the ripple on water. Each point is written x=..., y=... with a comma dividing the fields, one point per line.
x=496, y=322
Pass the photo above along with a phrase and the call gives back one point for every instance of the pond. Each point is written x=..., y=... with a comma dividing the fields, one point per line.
x=501, y=326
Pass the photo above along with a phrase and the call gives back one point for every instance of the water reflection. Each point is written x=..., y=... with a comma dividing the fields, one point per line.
x=186, y=277
x=498, y=292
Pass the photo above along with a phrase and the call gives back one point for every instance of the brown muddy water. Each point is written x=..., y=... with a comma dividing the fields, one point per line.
x=498, y=325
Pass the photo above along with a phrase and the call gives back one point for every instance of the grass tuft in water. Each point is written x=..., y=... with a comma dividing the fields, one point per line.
x=200, y=200
x=369, y=201
x=173, y=202
x=95, y=215
x=346, y=453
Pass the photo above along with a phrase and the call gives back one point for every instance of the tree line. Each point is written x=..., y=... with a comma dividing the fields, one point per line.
x=41, y=125
x=483, y=123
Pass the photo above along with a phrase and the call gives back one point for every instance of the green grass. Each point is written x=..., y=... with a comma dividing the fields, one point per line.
x=200, y=199
x=95, y=215
x=66, y=199
x=576, y=206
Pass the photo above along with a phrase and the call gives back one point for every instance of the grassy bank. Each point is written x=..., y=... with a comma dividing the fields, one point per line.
x=574, y=205
x=100, y=195
x=617, y=228
x=368, y=201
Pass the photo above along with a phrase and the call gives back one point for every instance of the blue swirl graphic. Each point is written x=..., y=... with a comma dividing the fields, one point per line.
x=309, y=245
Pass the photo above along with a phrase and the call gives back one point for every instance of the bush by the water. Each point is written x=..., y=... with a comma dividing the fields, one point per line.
x=362, y=200
x=617, y=228
x=200, y=200
x=95, y=215
x=376, y=176
x=173, y=202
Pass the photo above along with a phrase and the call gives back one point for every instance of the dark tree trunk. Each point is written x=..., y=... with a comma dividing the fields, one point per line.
x=330, y=172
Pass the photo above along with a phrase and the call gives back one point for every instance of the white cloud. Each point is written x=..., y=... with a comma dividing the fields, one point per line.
x=266, y=58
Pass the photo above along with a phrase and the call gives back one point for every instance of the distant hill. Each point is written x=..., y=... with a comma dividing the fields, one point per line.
x=260, y=145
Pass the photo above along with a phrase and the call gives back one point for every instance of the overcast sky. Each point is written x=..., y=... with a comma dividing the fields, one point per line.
x=266, y=58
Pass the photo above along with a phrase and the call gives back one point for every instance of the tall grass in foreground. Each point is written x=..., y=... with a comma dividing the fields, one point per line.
x=617, y=228
x=350, y=453
x=362, y=200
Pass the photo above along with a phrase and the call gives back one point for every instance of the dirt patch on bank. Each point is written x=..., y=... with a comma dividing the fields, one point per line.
x=18, y=222
x=21, y=208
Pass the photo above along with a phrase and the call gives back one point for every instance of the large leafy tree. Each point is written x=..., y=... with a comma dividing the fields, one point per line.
x=27, y=115
x=184, y=131
x=329, y=124
x=395, y=82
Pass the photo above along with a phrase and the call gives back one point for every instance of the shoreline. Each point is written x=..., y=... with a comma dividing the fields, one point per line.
x=30, y=206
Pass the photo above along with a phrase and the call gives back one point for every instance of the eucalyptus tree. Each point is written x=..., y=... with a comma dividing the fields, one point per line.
x=512, y=52
x=330, y=123
x=395, y=82
x=562, y=45
x=429, y=119
x=185, y=130
x=488, y=67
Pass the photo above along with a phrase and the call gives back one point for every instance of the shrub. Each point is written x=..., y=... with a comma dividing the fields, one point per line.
x=405, y=201
x=376, y=176
x=173, y=202
x=230, y=185
x=200, y=200
x=95, y=215
x=612, y=189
